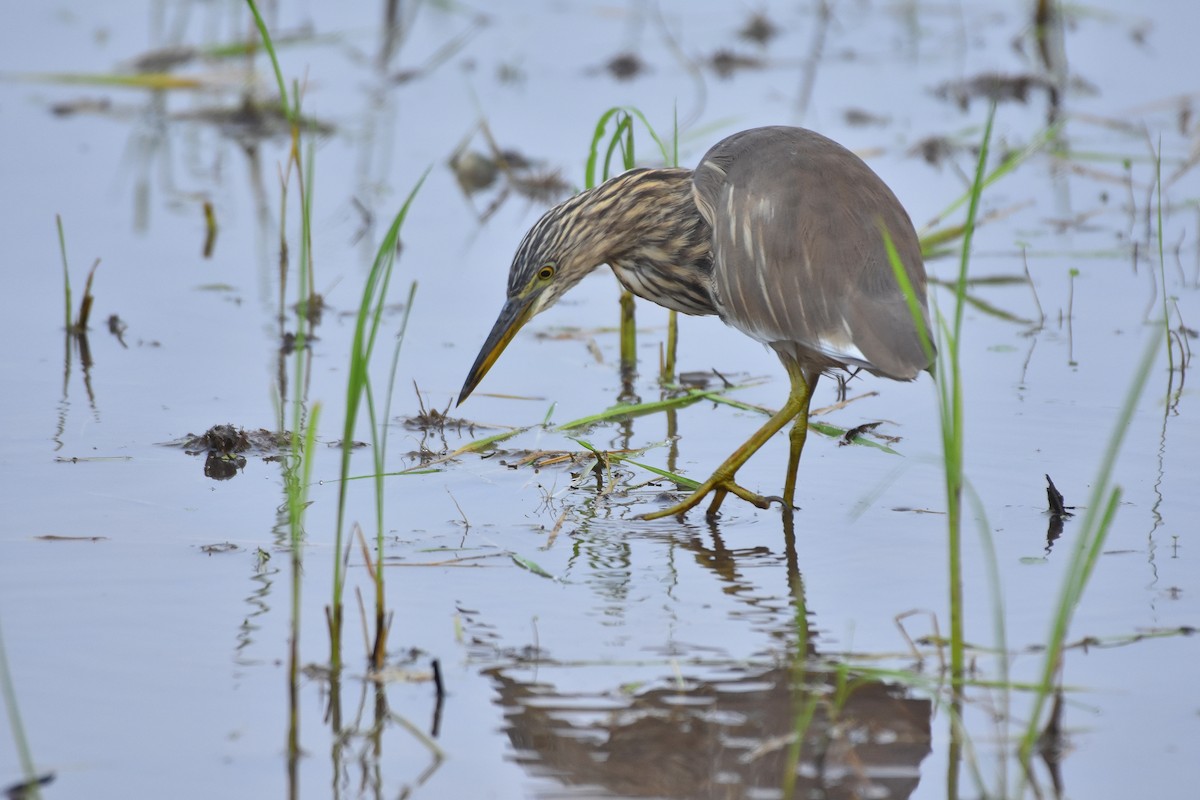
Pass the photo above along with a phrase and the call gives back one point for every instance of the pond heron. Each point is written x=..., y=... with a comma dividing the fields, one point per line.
x=780, y=232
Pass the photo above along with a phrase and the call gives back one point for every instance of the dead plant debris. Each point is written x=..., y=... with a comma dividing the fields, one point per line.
x=726, y=62
x=506, y=168
x=539, y=459
x=1055, y=499
x=625, y=66
x=117, y=327
x=861, y=118
x=27, y=788
x=429, y=420
x=54, y=537
x=252, y=121
x=853, y=434
x=999, y=88
x=937, y=149
x=82, y=105
x=759, y=29
x=223, y=446
x=1058, y=514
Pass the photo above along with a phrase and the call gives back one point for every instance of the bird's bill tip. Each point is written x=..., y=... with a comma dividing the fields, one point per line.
x=513, y=316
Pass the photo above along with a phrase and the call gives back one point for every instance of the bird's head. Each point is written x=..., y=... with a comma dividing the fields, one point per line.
x=642, y=222
x=557, y=253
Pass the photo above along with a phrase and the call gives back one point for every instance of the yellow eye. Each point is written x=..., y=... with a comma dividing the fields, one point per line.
x=546, y=272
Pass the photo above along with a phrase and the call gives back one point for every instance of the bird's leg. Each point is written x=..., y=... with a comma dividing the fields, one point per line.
x=721, y=481
x=715, y=505
x=802, y=385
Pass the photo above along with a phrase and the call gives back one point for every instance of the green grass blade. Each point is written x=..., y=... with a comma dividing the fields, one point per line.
x=630, y=410
x=24, y=753
x=530, y=565
x=1162, y=262
x=600, y=131
x=288, y=109
x=686, y=484
x=62, y=249
x=1005, y=167
x=915, y=311
x=488, y=441
x=366, y=328
x=387, y=404
x=953, y=432
x=156, y=81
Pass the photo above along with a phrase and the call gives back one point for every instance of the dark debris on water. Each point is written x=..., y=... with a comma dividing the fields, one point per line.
x=759, y=29
x=1055, y=499
x=1059, y=512
x=999, y=88
x=223, y=447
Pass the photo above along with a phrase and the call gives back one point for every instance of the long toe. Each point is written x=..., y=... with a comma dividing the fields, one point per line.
x=758, y=500
x=718, y=488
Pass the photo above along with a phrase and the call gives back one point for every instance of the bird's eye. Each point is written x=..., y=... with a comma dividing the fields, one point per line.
x=546, y=272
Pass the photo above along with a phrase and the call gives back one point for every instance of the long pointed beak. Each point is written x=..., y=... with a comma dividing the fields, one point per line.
x=513, y=316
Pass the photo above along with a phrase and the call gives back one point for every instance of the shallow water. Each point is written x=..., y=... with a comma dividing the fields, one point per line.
x=660, y=658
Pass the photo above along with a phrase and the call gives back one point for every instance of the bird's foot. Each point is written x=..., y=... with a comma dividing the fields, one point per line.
x=718, y=487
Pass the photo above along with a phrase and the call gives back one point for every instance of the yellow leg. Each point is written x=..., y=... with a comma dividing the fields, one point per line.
x=715, y=505
x=798, y=435
x=721, y=482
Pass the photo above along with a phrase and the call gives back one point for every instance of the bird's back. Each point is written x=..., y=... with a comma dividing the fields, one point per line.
x=799, y=260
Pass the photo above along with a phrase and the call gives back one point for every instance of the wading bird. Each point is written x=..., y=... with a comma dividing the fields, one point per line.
x=780, y=232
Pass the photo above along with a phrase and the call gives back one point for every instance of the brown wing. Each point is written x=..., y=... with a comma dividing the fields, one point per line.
x=799, y=260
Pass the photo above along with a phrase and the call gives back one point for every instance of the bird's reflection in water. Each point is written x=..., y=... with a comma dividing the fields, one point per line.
x=727, y=730
x=728, y=738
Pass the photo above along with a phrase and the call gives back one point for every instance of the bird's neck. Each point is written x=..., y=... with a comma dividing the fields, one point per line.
x=653, y=237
